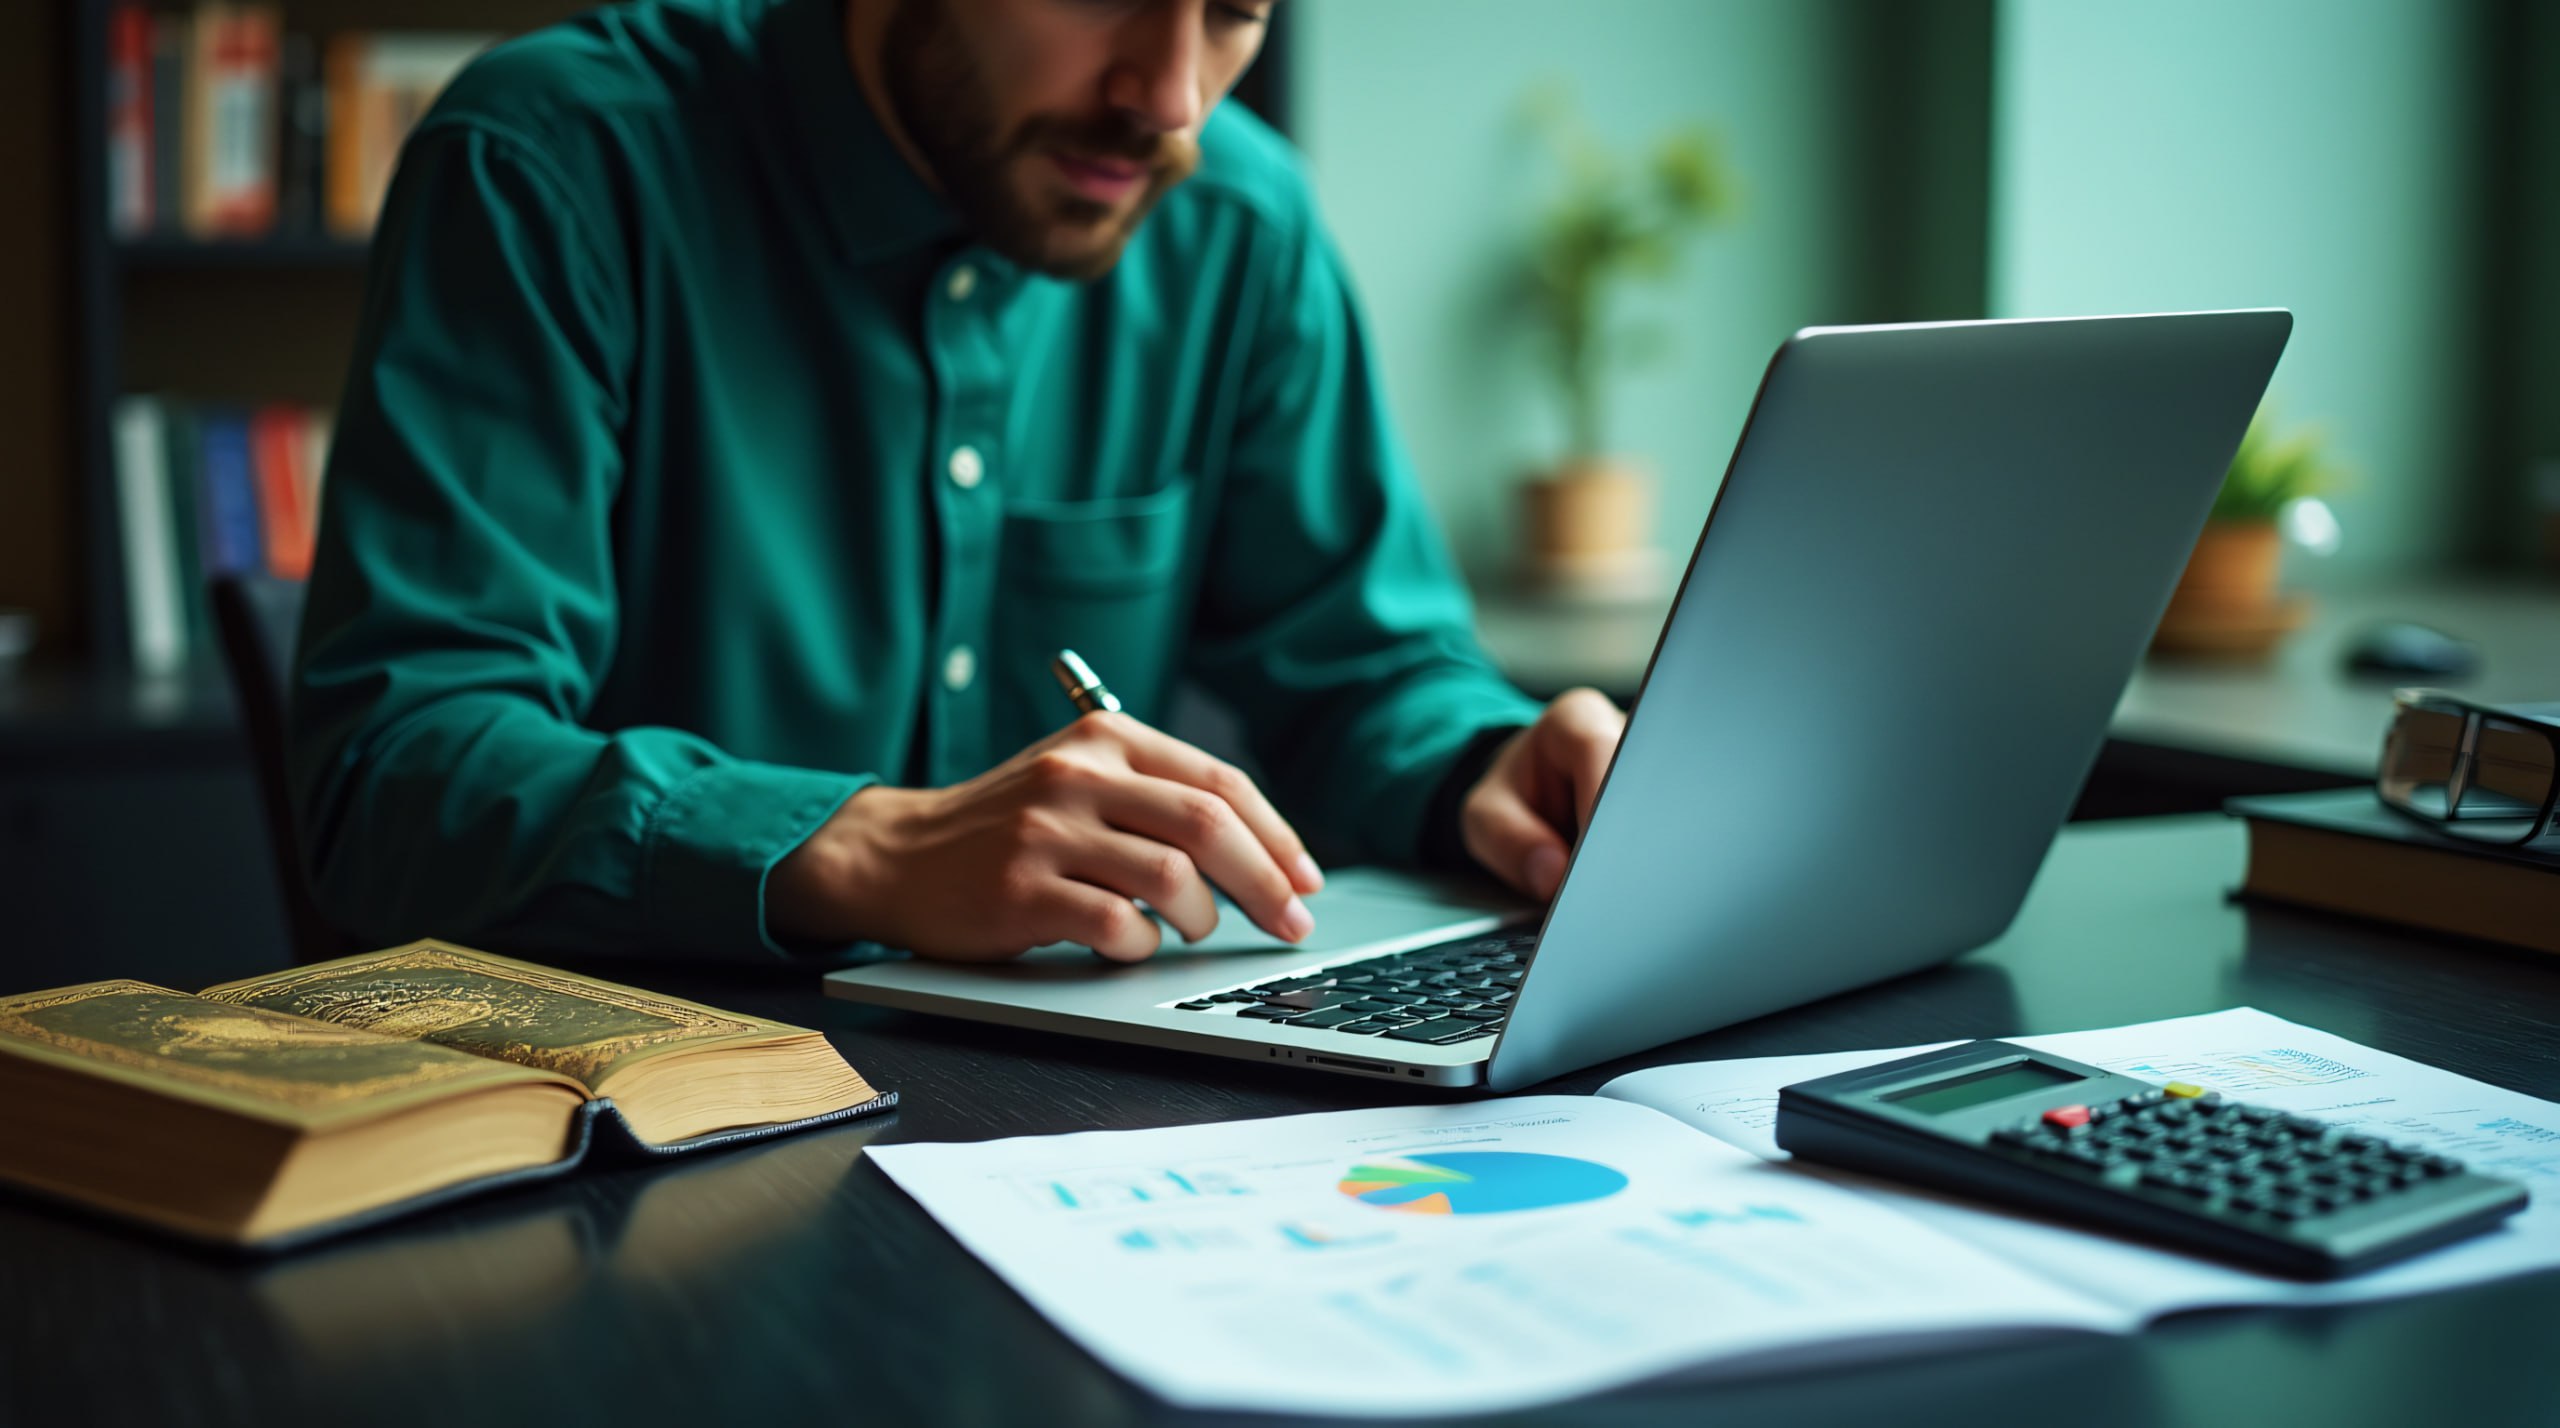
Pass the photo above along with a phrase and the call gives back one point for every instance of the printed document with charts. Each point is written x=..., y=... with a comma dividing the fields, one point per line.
x=1498, y=1254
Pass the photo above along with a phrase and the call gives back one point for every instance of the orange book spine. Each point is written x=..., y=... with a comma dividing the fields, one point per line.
x=342, y=68
x=277, y=445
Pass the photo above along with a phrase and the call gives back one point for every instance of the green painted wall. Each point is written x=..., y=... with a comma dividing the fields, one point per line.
x=1409, y=113
x=2350, y=159
x=2524, y=293
x=2322, y=155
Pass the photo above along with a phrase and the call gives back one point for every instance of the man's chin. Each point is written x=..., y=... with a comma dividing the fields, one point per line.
x=1079, y=247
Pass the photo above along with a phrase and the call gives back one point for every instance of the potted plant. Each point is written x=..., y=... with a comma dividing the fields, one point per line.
x=2226, y=602
x=1615, y=225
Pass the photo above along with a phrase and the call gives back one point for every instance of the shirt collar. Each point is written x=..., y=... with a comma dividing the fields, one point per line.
x=872, y=197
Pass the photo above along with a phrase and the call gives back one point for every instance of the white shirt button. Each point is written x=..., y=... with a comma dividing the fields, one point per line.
x=962, y=282
x=959, y=667
x=967, y=468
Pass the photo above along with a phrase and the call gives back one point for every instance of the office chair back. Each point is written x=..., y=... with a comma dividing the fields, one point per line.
x=257, y=617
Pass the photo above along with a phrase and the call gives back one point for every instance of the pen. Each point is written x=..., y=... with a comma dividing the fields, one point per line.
x=1083, y=685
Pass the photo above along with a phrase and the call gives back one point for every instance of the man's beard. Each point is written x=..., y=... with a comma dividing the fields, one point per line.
x=950, y=115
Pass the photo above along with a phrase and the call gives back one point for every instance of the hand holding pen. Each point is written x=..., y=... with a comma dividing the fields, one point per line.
x=1057, y=844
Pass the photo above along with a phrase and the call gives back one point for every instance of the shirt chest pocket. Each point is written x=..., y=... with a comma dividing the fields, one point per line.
x=1108, y=579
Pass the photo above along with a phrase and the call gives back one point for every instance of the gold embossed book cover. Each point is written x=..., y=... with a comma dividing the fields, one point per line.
x=288, y=1107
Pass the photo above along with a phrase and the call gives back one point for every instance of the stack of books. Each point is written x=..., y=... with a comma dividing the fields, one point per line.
x=220, y=125
x=209, y=490
x=2342, y=851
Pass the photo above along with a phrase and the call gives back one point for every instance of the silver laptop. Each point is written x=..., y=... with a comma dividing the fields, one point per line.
x=1936, y=556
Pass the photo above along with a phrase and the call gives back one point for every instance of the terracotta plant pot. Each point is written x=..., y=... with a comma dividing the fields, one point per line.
x=1585, y=528
x=2226, y=603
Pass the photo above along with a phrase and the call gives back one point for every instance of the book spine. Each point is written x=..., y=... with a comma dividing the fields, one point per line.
x=129, y=184
x=240, y=149
x=277, y=445
x=206, y=32
x=168, y=118
x=183, y=464
x=2431, y=889
x=316, y=429
x=231, y=542
x=342, y=77
x=152, y=572
x=305, y=119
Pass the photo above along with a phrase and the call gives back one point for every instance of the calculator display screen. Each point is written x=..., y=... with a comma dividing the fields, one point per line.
x=1979, y=1088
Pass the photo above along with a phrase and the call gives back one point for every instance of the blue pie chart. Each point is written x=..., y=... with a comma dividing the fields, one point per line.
x=1478, y=1182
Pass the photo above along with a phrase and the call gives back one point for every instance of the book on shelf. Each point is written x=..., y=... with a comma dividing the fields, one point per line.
x=204, y=490
x=380, y=85
x=223, y=125
x=303, y=120
x=232, y=543
x=280, y=453
x=129, y=99
x=286, y=1108
x=229, y=146
x=2341, y=851
x=169, y=45
x=155, y=598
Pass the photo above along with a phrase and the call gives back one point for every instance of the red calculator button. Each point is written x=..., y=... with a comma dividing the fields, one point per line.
x=2067, y=1116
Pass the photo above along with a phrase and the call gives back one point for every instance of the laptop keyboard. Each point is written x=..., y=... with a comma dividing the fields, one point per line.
x=1447, y=993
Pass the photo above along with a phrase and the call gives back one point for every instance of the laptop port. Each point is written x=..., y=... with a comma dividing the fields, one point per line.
x=1352, y=1063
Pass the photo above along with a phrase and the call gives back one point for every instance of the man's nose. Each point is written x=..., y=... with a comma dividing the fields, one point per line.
x=1155, y=78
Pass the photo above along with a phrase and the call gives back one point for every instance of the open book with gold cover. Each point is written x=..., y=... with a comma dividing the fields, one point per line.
x=288, y=1107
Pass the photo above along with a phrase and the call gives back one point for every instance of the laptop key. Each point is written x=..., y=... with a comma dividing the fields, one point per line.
x=1291, y=984
x=1311, y=998
x=1203, y=1005
x=1438, y=1029
x=1272, y=1013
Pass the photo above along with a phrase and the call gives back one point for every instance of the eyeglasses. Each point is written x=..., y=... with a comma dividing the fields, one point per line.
x=2489, y=773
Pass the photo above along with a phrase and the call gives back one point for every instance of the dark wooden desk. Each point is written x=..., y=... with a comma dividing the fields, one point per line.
x=792, y=1282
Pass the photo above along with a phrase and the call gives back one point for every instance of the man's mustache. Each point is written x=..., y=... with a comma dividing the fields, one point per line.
x=1115, y=136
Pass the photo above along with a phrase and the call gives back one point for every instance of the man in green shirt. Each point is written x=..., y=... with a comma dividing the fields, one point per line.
x=753, y=394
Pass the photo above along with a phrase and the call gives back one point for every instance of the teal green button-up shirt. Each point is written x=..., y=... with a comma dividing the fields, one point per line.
x=695, y=469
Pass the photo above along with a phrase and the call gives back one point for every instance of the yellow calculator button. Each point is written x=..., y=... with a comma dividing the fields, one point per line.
x=2183, y=1090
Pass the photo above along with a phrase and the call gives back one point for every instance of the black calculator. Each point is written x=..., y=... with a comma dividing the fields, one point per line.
x=2174, y=1163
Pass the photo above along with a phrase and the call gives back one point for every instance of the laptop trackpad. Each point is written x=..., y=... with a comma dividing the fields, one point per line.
x=1358, y=907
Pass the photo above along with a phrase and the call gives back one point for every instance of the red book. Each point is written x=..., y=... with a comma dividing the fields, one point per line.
x=129, y=175
x=279, y=448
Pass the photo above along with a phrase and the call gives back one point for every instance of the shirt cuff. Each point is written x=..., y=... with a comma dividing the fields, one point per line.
x=713, y=841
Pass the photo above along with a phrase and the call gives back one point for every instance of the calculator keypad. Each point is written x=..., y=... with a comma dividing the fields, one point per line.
x=2222, y=1157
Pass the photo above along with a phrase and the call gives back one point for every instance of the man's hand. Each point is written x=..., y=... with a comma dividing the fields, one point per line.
x=1050, y=846
x=1535, y=798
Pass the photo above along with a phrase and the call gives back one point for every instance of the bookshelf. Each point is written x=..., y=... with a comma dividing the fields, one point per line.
x=130, y=831
x=168, y=312
x=237, y=321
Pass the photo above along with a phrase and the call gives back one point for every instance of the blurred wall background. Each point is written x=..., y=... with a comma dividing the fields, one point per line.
x=2389, y=169
x=2323, y=156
